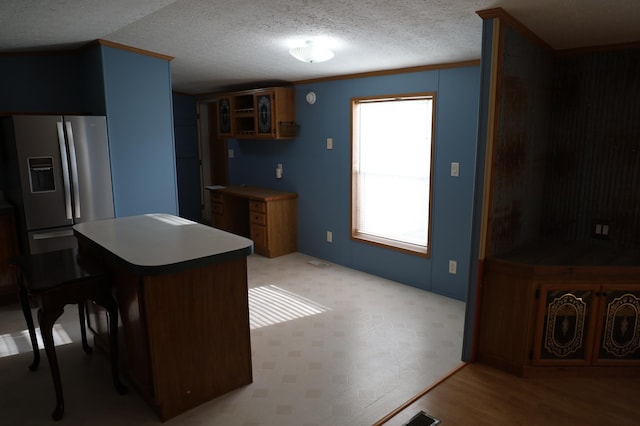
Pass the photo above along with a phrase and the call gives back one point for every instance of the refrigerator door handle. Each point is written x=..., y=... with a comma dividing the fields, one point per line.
x=52, y=234
x=65, y=171
x=74, y=168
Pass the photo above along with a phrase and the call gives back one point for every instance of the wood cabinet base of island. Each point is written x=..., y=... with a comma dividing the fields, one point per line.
x=185, y=336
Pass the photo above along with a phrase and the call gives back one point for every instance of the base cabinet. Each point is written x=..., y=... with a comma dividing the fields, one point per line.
x=587, y=324
x=268, y=217
x=539, y=320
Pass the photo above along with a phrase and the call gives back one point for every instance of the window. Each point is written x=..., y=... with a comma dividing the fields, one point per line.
x=392, y=146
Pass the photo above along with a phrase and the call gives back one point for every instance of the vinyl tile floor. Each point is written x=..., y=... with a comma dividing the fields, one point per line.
x=330, y=346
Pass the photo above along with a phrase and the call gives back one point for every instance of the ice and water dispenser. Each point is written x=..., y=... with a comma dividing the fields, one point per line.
x=41, y=174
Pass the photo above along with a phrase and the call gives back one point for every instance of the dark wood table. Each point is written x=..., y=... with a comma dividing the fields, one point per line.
x=53, y=280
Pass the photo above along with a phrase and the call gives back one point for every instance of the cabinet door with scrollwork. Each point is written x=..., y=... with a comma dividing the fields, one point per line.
x=618, y=335
x=565, y=323
x=264, y=102
x=224, y=116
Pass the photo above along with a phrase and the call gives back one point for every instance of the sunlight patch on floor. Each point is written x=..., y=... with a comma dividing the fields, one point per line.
x=19, y=341
x=269, y=305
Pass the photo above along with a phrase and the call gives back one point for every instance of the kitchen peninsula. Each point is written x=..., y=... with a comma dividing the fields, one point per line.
x=182, y=292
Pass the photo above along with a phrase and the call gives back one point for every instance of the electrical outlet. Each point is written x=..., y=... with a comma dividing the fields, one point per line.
x=231, y=153
x=453, y=267
x=329, y=236
x=329, y=143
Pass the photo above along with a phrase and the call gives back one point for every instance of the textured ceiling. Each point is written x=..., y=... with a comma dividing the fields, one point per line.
x=219, y=44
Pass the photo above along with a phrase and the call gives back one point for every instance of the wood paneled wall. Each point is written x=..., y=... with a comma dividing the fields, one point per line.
x=520, y=151
x=593, y=174
x=567, y=153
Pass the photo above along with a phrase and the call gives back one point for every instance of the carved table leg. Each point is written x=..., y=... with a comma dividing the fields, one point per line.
x=83, y=329
x=26, y=310
x=47, y=319
x=112, y=308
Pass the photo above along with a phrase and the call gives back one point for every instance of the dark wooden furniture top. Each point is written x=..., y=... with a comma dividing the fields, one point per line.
x=572, y=253
x=53, y=280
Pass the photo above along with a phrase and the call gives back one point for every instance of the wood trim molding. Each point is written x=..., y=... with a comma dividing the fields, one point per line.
x=133, y=49
x=595, y=49
x=503, y=15
x=470, y=63
x=425, y=391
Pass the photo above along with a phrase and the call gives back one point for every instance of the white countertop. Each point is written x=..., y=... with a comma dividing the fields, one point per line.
x=160, y=240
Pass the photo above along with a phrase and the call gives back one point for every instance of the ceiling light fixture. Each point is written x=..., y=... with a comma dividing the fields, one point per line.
x=311, y=53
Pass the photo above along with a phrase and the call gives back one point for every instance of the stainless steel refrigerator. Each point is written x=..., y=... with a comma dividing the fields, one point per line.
x=60, y=175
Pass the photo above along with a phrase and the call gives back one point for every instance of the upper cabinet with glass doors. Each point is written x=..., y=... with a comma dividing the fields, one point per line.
x=258, y=114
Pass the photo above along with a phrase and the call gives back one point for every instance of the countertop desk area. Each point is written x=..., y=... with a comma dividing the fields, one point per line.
x=183, y=298
x=267, y=216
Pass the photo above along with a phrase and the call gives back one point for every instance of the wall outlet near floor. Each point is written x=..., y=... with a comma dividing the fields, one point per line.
x=453, y=267
x=230, y=153
x=329, y=236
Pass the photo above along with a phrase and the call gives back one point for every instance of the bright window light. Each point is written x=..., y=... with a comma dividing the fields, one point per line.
x=392, y=148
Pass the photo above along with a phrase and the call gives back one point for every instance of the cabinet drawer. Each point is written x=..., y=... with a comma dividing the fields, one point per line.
x=217, y=208
x=259, y=218
x=258, y=206
x=259, y=235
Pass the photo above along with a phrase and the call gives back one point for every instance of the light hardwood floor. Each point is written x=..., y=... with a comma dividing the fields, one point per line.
x=480, y=395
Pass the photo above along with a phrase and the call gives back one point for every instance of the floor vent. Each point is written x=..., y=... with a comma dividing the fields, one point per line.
x=422, y=419
x=318, y=263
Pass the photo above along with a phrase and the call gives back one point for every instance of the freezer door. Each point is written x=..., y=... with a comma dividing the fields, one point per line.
x=90, y=168
x=51, y=239
x=43, y=178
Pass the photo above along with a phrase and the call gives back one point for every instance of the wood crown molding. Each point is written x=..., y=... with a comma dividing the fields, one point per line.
x=120, y=46
x=503, y=15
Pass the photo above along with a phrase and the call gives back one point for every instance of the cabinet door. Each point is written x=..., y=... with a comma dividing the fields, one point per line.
x=565, y=324
x=618, y=334
x=265, y=114
x=224, y=116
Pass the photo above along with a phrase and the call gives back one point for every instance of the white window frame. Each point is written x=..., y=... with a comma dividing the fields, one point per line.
x=359, y=231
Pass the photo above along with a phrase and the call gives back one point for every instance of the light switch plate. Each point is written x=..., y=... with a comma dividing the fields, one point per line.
x=455, y=169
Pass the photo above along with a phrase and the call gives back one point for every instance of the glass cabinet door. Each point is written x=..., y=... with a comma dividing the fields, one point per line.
x=564, y=326
x=618, y=334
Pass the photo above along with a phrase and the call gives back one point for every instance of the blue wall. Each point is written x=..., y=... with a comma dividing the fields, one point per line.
x=132, y=90
x=321, y=177
x=140, y=123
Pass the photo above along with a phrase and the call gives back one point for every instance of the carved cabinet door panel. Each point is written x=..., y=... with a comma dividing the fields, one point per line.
x=618, y=334
x=565, y=324
x=224, y=116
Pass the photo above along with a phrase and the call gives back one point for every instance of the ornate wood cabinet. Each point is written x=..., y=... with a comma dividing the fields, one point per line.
x=258, y=114
x=543, y=318
x=588, y=324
